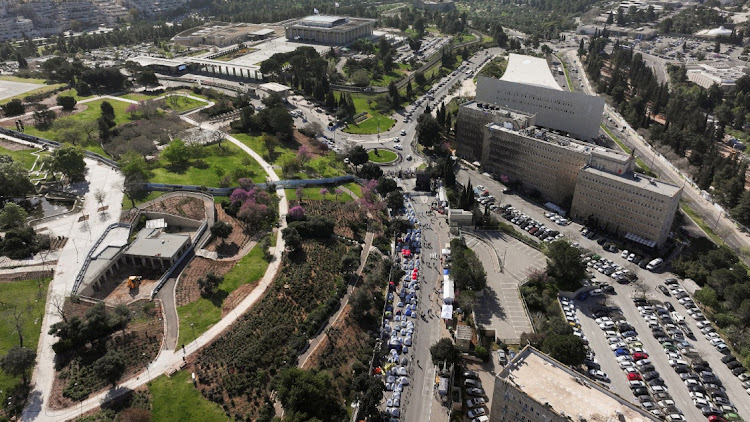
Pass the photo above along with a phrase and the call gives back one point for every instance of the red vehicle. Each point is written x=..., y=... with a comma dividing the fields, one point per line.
x=639, y=356
x=716, y=418
x=632, y=376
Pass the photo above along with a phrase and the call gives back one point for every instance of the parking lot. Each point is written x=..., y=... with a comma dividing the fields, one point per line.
x=658, y=344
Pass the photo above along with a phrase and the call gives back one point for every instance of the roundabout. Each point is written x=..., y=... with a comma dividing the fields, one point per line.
x=382, y=156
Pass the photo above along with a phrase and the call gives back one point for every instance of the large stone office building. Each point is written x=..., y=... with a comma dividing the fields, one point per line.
x=597, y=184
x=334, y=30
x=528, y=85
x=534, y=387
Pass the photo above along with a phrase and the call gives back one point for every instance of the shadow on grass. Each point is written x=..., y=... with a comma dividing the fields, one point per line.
x=216, y=298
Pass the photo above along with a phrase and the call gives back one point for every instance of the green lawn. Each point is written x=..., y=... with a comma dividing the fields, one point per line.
x=24, y=80
x=74, y=93
x=205, y=312
x=326, y=166
x=229, y=160
x=126, y=204
x=29, y=297
x=181, y=104
x=176, y=399
x=354, y=187
x=139, y=96
x=22, y=156
x=382, y=156
x=90, y=114
x=370, y=125
x=313, y=193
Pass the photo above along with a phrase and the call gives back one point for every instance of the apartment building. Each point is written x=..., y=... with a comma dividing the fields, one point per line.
x=474, y=117
x=13, y=28
x=534, y=387
x=598, y=185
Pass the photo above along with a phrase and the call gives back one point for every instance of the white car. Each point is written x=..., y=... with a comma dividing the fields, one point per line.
x=398, y=147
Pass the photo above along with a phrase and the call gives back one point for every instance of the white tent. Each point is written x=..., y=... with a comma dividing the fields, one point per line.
x=447, y=289
x=447, y=312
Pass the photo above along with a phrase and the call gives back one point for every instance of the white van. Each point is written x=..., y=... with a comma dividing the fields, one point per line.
x=654, y=264
x=481, y=419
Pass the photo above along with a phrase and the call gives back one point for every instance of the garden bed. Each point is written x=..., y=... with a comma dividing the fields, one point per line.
x=350, y=219
x=140, y=345
x=235, y=370
x=184, y=206
x=237, y=240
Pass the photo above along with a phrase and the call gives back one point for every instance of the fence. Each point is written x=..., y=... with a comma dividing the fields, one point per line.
x=292, y=183
x=87, y=260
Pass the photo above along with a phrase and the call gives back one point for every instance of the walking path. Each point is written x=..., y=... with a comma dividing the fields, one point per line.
x=167, y=360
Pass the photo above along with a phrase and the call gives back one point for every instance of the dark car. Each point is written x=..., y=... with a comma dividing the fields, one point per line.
x=643, y=263
x=668, y=305
x=663, y=289
x=648, y=368
x=640, y=391
x=733, y=364
x=728, y=358
x=682, y=369
x=739, y=370
x=471, y=374
x=650, y=375
x=601, y=240
x=698, y=388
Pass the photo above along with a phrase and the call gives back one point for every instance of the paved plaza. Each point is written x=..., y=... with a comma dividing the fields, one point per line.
x=11, y=89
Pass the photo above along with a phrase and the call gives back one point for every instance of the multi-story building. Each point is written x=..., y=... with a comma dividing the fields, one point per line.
x=534, y=387
x=335, y=30
x=637, y=207
x=597, y=184
x=528, y=85
x=474, y=117
x=439, y=6
x=13, y=28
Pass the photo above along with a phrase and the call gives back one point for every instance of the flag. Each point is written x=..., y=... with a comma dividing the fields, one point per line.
x=316, y=11
x=337, y=4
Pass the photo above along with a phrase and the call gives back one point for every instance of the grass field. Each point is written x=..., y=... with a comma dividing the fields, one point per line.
x=24, y=80
x=22, y=156
x=139, y=96
x=74, y=93
x=28, y=296
x=370, y=125
x=229, y=159
x=326, y=166
x=176, y=399
x=354, y=187
x=126, y=204
x=382, y=156
x=181, y=104
x=205, y=312
x=314, y=194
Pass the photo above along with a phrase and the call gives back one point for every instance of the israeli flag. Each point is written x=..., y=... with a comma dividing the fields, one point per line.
x=336, y=4
x=316, y=11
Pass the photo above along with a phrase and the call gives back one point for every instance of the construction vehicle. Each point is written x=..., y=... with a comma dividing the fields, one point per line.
x=134, y=281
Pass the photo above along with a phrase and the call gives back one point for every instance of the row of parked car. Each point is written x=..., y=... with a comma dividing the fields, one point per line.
x=530, y=225
x=477, y=403
x=669, y=329
x=644, y=380
x=609, y=268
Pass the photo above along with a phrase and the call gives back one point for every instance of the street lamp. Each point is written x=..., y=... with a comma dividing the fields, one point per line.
x=193, y=327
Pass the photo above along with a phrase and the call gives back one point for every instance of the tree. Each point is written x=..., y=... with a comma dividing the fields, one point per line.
x=67, y=102
x=270, y=142
x=110, y=367
x=310, y=394
x=68, y=160
x=386, y=185
x=18, y=361
x=43, y=117
x=12, y=216
x=221, y=230
x=209, y=283
x=14, y=180
x=178, y=153
x=395, y=200
x=428, y=130
x=13, y=107
x=148, y=77
x=370, y=393
x=362, y=303
x=349, y=263
x=106, y=120
x=370, y=171
x=357, y=155
x=444, y=351
x=292, y=239
x=568, y=349
x=564, y=265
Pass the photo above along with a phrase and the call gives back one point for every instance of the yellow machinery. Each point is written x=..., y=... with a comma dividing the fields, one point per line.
x=134, y=281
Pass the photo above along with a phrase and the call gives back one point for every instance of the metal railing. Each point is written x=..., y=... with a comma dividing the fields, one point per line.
x=87, y=260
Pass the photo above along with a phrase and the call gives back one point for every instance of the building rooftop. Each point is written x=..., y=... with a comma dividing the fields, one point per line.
x=639, y=181
x=565, y=391
x=148, y=60
x=322, y=19
x=529, y=70
x=534, y=132
x=156, y=243
x=494, y=109
x=274, y=87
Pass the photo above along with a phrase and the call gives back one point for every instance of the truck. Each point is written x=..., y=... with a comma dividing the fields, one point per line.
x=134, y=281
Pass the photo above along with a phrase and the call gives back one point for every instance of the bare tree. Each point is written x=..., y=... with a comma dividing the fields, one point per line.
x=59, y=304
x=16, y=321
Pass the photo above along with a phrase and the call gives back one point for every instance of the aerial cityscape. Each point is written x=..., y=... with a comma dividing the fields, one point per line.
x=438, y=210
